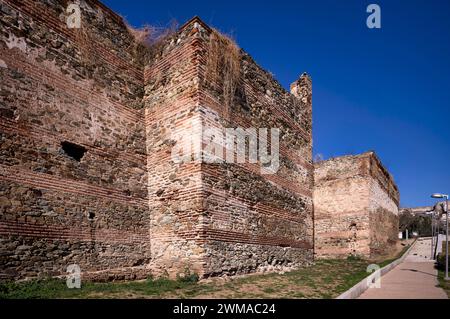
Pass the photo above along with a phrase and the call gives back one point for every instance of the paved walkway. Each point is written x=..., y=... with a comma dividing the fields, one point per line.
x=414, y=278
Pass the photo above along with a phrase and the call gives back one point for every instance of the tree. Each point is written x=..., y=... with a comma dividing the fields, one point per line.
x=419, y=223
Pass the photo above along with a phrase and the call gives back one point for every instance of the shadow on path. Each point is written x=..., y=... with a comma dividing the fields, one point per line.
x=422, y=272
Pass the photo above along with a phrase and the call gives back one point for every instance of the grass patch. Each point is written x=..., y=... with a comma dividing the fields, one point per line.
x=56, y=288
x=325, y=279
x=269, y=290
x=444, y=284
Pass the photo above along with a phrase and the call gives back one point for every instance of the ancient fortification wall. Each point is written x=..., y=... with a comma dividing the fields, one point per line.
x=356, y=207
x=89, y=121
x=383, y=208
x=223, y=217
x=78, y=86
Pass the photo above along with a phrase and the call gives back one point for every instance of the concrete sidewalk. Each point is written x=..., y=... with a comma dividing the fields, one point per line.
x=414, y=278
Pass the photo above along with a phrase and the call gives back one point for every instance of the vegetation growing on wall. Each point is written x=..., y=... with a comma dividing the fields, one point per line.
x=224, y=65
x=149, y=40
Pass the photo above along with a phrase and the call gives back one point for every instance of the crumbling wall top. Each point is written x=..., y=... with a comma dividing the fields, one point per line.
x=365, y=164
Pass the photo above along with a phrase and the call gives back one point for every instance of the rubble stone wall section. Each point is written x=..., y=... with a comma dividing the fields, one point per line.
x=356, y=207
x=225, y=218
x=81, y=86
x=126, y=209
x=256, y=221
x=384, y=210
x=173, y=122
x=342, y=225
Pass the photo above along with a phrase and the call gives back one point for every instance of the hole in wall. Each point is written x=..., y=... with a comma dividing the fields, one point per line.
x=127, y=192
x=91, y=216
x=37, y=192
x=73, y=150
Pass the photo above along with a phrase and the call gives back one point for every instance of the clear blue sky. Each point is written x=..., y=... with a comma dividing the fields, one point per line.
x=386, y=90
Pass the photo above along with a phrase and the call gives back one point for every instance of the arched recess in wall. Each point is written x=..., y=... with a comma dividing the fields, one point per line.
x=353, y=237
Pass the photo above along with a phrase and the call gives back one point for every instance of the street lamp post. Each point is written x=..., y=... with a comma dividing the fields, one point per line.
x=446, y=230
x=437, y=229
x=446, y=237
x=432, y=235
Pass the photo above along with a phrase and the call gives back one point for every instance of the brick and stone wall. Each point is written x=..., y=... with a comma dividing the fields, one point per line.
x=125, y=208
x=356, y=207
x=81, y=86
x=225, y=218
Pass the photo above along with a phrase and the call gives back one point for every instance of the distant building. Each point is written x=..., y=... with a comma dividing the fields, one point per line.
x=438, y=208
x=423, y=210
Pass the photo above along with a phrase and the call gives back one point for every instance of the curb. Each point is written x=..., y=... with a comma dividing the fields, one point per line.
x=363, y=285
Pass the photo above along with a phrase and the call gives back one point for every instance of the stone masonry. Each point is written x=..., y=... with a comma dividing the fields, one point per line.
x=356, y=206
x=89, y=119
